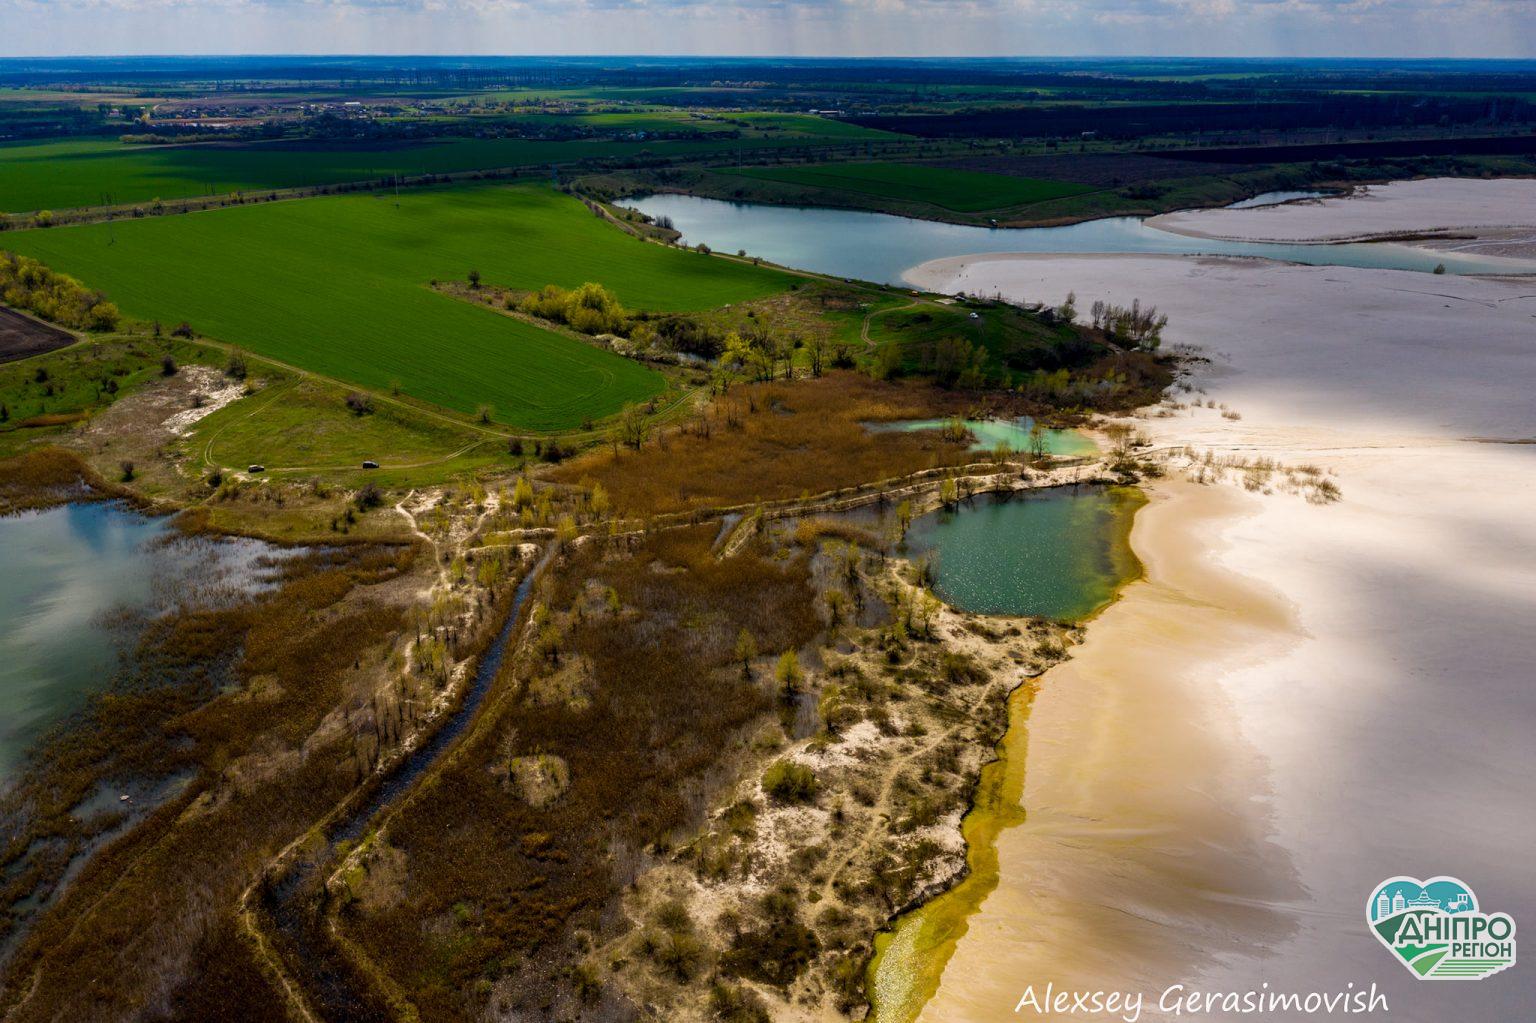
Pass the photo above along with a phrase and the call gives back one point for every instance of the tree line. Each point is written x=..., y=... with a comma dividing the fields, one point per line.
x=58, y=298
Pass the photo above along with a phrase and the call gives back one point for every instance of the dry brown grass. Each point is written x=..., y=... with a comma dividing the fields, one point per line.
x=47, y=476
x=771, y=441
x=640, y=694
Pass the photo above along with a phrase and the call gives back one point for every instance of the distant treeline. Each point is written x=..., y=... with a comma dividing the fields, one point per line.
x=1354, y=112
x=1503, y=145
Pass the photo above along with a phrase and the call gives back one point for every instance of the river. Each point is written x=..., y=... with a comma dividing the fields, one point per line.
x=882, y=248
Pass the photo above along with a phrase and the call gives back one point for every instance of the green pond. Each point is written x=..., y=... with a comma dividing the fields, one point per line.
x=989, y=433
x=1058, y=553
x=75, y=582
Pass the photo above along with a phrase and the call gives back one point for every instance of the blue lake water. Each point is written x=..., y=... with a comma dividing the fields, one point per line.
x=880, y=247
x=73, y=582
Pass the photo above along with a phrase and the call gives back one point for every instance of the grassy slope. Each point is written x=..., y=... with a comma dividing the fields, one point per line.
x=1007, y=333
x=89, y=172
x=967, y=191
x=304, y=425
x=339, y=286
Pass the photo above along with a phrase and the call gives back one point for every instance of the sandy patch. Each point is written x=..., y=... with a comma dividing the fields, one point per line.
x=1302, y=699
x=1431, y=205
x=217, y=391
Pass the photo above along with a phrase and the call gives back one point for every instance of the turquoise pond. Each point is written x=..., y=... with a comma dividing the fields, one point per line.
x=882, y=248
x=989, y=433
x=75, y=581
x=1060, y=553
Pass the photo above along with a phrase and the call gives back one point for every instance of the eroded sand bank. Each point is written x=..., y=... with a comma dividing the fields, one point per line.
x=1300, y=700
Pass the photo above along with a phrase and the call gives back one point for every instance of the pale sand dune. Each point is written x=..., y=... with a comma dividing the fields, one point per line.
x=1213, y=787
x=1434, y=204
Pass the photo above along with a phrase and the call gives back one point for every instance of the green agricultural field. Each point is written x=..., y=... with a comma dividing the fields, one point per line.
x=340, y=286
x=960, y=190
x=753, y=124
x=810, y=125
x=58, y=175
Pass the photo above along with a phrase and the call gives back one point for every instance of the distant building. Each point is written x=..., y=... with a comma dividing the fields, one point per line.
x=1398, y=902
x=1383, y=905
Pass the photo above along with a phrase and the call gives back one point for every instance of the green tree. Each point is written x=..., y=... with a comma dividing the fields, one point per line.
x=787, y=673
x=746, y=650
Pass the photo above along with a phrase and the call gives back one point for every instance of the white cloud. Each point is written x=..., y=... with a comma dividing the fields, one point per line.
x=756, y=27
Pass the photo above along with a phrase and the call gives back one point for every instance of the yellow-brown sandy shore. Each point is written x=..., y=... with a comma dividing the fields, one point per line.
x=1139, y=834
x=1300, y=700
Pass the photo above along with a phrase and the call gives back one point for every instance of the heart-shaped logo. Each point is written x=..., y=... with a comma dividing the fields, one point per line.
x=1437, y=930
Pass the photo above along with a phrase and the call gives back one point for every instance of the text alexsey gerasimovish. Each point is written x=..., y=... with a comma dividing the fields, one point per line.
x=1179, y=1000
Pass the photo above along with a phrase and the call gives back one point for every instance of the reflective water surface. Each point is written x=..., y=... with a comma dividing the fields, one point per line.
x=880, y=247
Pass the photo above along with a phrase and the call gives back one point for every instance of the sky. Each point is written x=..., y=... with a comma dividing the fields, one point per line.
x=855, y=28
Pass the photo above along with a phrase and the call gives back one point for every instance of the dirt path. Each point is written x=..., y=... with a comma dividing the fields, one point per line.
x=869, y=343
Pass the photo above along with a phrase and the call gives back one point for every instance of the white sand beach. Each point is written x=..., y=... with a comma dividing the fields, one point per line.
x=1458, y=205
x=1300, y=700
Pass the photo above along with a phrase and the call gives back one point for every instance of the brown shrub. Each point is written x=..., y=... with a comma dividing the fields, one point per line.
x=770, y=441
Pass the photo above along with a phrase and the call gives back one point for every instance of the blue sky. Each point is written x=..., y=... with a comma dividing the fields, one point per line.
x=1386, y=28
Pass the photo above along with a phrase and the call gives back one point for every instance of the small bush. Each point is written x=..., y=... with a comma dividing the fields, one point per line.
x=789, y=782
x=779, y=952
x=732, y=1004
x=369, y=496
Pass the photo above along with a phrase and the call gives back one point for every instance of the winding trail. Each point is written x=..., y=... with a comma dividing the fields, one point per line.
x=869, y=343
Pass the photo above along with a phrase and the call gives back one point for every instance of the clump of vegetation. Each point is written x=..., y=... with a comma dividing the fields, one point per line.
x=1130, y=325
x=789, y=782
x=368, y=496
x=731, y=1003
x=28, y=284
x=779, y=950
x=590, y=308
